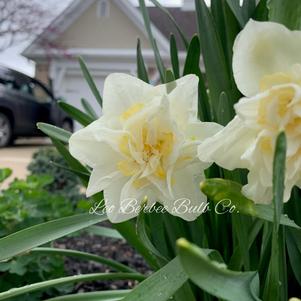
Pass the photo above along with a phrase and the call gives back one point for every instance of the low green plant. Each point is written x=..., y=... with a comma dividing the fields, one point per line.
x=48, y=161
x=25, y=203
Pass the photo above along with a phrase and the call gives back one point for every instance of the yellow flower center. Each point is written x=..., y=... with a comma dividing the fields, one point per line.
x=150, y=153
x=276, y=111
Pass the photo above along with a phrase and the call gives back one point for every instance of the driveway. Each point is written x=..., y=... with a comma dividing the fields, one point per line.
x=18, y=156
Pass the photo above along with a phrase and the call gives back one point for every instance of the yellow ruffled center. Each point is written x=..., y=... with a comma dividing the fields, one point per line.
x=276, y=111
x=145, y=154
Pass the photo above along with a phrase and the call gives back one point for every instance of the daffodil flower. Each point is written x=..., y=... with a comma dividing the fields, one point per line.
x=267, y=69
x=144, y=147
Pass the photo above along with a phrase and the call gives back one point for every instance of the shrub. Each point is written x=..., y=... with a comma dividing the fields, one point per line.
x=47, y=161
x=25, y=203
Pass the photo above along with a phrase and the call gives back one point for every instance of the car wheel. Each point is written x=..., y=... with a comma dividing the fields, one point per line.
x=67, y=125
x=5, y=130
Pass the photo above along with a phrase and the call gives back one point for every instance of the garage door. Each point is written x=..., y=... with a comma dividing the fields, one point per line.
x=74, y=87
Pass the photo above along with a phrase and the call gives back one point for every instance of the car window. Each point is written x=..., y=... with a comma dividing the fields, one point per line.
x=9, y=84
x=36, y=91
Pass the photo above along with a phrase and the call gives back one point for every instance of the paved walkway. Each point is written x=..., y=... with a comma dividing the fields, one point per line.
x=18, y=156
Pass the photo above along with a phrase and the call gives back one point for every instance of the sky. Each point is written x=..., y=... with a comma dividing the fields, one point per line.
x=11, y=57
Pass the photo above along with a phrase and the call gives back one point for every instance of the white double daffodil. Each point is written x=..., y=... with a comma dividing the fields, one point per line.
x=145, y=147
x=267, y=70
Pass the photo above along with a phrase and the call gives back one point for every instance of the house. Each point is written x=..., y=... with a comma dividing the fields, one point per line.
x=104, y=33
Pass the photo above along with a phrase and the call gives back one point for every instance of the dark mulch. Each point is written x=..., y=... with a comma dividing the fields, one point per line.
x=111, y=248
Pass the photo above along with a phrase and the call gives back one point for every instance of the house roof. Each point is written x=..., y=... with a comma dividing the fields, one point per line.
x=185, y=19
x=161, y=26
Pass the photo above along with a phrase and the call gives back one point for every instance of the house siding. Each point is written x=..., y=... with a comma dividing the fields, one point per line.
x=92, y=31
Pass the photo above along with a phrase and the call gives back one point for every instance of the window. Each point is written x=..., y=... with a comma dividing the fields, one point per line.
x=103, y=9
x=9, y=84
x=39, y=93
x=36, y=91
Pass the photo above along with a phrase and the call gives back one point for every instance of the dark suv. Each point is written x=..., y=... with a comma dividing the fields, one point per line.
x=24, y=101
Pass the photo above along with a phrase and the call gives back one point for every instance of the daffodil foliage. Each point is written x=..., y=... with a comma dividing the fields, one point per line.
x=199, y=171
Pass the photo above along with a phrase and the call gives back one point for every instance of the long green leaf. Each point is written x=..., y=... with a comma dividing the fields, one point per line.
x=192, y=61
x=29, y=238
x=88, y=108
x=161, y=285
x=141, y=69
x=84, y=256
x=54, y=132
x=128, y=231
x=261, y=12
x=93, y=296
x=274, y=286
x=192, y=66
x=285, y=12
x=83, y=118
x=279, y=178
x=219, y=78
x=228, y=193
x=172, y=19
x=293, y=242
x=237, y=11
x=66, y=280
x=225, y=111
x=214, y=277
x=90, y=81
x=104, y=231
x=143, y=235
x=174, y=57
x=147, y=24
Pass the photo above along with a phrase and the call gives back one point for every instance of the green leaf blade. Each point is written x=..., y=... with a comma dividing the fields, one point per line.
x=66, y=280
x=215, y=278
x=54, y=132
x=83, y=118
x=89, y=79
x=29, y=238
x=141, y=69
x=161, y=285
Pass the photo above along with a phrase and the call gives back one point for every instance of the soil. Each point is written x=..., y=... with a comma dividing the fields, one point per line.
x=116, y=249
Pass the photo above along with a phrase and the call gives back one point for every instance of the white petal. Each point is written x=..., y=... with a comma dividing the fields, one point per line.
x=184, y=100
x=188, y=200
x=122, y=91
x=101, y=177
x=263, y=48
x=112, y=201
x=202, y=130
x=255, y=190
x=95, y=145
x=124, y=201
x=228, y=145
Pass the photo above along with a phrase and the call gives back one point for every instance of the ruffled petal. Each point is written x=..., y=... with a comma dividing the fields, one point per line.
x=228, y=145
x=95, y=144
x=262, y=49
x=188, y=201
x=184, y=100
x=101, y=177
x=124, y=94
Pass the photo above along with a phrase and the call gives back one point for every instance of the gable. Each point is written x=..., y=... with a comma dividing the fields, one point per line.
x=90, y=30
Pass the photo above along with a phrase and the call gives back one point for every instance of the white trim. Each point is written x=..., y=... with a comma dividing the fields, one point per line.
x=119, y=55
x=60, y=24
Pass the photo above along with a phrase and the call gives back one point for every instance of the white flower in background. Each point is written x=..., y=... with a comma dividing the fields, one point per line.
x=145, y=145
x=266, y=66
